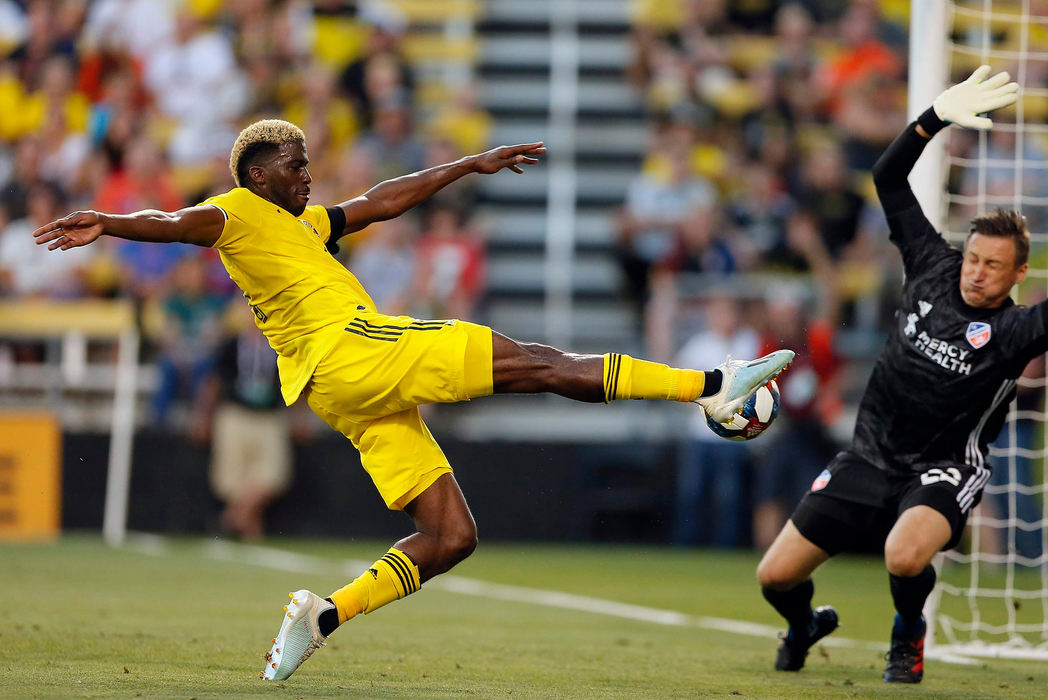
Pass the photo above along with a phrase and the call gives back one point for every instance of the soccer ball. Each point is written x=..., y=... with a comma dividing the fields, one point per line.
x=757, y=414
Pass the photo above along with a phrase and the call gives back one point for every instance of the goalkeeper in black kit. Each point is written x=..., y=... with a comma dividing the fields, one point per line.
x=937, y=397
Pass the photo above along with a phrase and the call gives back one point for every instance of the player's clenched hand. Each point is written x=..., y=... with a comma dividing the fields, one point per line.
x=975, y=95
x=511, y=157
x=77, y=229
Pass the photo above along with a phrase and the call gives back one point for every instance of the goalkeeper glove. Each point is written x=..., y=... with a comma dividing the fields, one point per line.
x=963, y=101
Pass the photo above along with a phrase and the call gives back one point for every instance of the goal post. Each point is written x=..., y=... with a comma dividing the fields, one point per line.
x=991, y=599
x=927, y=78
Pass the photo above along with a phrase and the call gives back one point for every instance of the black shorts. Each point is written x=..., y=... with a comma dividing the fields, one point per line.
x=853, y=505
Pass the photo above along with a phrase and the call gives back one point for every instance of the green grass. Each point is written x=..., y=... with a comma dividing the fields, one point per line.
x=995, y=611
x=84, y=620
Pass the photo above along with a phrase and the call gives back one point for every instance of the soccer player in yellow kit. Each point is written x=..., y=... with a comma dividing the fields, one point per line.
x=365, y=373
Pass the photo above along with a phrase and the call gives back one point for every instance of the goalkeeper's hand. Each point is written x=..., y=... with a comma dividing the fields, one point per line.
x=961, y=103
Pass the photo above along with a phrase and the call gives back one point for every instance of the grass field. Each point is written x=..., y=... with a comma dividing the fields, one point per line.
x=191, y=619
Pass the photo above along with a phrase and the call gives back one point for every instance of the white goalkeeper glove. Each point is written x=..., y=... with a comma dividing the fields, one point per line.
x=963, y=101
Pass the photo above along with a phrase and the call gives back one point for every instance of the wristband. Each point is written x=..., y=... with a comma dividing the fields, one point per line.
x=930, y=122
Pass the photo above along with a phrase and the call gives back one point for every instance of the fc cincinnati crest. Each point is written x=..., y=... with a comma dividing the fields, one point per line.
x=978, y=334
x=821, y=480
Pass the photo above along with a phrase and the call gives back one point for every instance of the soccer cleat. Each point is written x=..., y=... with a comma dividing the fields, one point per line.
x=906, y=658
x=793, y=650
x=740, y=380
x=298, y=638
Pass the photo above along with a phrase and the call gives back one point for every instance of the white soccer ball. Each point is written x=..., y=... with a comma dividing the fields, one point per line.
x=757, y=414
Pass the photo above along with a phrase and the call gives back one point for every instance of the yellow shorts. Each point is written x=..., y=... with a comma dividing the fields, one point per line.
x=370, y=385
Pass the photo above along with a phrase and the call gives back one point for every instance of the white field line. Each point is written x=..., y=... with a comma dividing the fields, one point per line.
x=283, y=560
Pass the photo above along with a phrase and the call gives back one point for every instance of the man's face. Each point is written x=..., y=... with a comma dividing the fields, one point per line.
x=988, y=272
x=285, y=178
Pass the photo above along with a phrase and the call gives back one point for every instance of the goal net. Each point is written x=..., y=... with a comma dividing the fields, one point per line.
x=992, y=595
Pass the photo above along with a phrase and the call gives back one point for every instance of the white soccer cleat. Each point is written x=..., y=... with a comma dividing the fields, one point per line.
x=741, y=379
x=298, y=638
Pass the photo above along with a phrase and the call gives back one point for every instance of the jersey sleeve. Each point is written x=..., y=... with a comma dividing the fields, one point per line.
x=318, y=216
x=1024, y=334
x=920, y=244
x=231, y=232
x=917, y=240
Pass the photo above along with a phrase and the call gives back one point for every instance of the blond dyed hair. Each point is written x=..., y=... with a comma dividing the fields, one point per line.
x=261, y=134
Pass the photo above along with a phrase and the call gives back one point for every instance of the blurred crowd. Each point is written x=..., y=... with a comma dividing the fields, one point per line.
x=122, y=105
x=766, y=118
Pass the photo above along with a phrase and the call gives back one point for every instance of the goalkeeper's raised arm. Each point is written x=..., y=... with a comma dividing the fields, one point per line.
x=961, y=105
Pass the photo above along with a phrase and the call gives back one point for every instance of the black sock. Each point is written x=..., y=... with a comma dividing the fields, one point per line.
x=909, y=594
x=713, y=382
x=794, y=605
x=327, y=621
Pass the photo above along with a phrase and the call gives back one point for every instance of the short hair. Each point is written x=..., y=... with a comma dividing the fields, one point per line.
x=260, y=138
x=1004, y=224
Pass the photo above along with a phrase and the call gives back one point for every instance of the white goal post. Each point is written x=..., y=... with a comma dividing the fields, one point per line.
x=991, y=598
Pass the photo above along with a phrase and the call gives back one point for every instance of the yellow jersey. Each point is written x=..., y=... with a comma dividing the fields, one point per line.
x=302, y=297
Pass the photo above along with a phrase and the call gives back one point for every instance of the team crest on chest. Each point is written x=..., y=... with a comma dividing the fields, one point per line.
x=310, y=227
x=978, y=334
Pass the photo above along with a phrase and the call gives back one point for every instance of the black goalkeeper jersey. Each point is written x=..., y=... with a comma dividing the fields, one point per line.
x=941, y=387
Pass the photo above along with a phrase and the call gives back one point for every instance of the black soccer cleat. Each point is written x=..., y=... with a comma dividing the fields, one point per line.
x=905, y=659
x=794, y=649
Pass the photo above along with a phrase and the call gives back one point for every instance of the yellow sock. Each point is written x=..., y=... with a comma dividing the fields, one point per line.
x=390, y=578
x=626, y=377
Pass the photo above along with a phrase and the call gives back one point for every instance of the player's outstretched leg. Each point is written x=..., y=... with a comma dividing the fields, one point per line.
x=740, y=380
x=531, y=368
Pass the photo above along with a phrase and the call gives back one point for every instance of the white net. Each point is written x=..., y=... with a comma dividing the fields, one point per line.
x=992, y=598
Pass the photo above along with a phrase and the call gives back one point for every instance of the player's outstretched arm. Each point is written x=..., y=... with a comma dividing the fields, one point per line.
x=198, y=225
x=392, y=198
